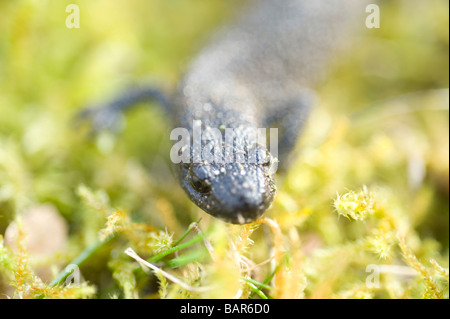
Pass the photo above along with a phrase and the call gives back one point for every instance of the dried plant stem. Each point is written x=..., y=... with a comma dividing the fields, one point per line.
x=412, y=260
x=145, y=264
x=443, y=271
x=278, y=246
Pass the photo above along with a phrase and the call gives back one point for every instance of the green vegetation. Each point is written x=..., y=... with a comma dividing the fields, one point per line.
x=363, y=211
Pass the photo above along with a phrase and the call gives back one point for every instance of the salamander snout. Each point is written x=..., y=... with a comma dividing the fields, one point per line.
x=242, y=197
x=236, y=193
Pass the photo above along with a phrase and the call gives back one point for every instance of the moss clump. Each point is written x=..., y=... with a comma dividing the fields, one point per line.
x=353, y=205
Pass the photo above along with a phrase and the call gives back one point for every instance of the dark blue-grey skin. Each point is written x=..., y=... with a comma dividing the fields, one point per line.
x=258, y=72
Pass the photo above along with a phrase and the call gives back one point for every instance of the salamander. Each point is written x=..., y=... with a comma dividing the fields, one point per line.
x=258, y=72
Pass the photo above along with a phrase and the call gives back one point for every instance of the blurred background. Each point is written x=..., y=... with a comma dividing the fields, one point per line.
x=382, y=122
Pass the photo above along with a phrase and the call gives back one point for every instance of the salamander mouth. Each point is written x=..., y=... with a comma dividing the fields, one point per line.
x=244, y=207
x=244, y=216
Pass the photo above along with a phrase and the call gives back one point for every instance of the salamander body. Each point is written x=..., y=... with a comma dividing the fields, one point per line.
x=256, y=73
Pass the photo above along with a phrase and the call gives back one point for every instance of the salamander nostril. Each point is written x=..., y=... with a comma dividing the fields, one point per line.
x=246, y=201
x=248, y=204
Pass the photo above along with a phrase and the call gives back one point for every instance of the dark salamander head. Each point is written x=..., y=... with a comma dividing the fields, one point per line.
x=236, y=192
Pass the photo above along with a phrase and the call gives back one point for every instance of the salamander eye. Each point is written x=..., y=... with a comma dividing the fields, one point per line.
x=269, y=162
x=201, y=186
